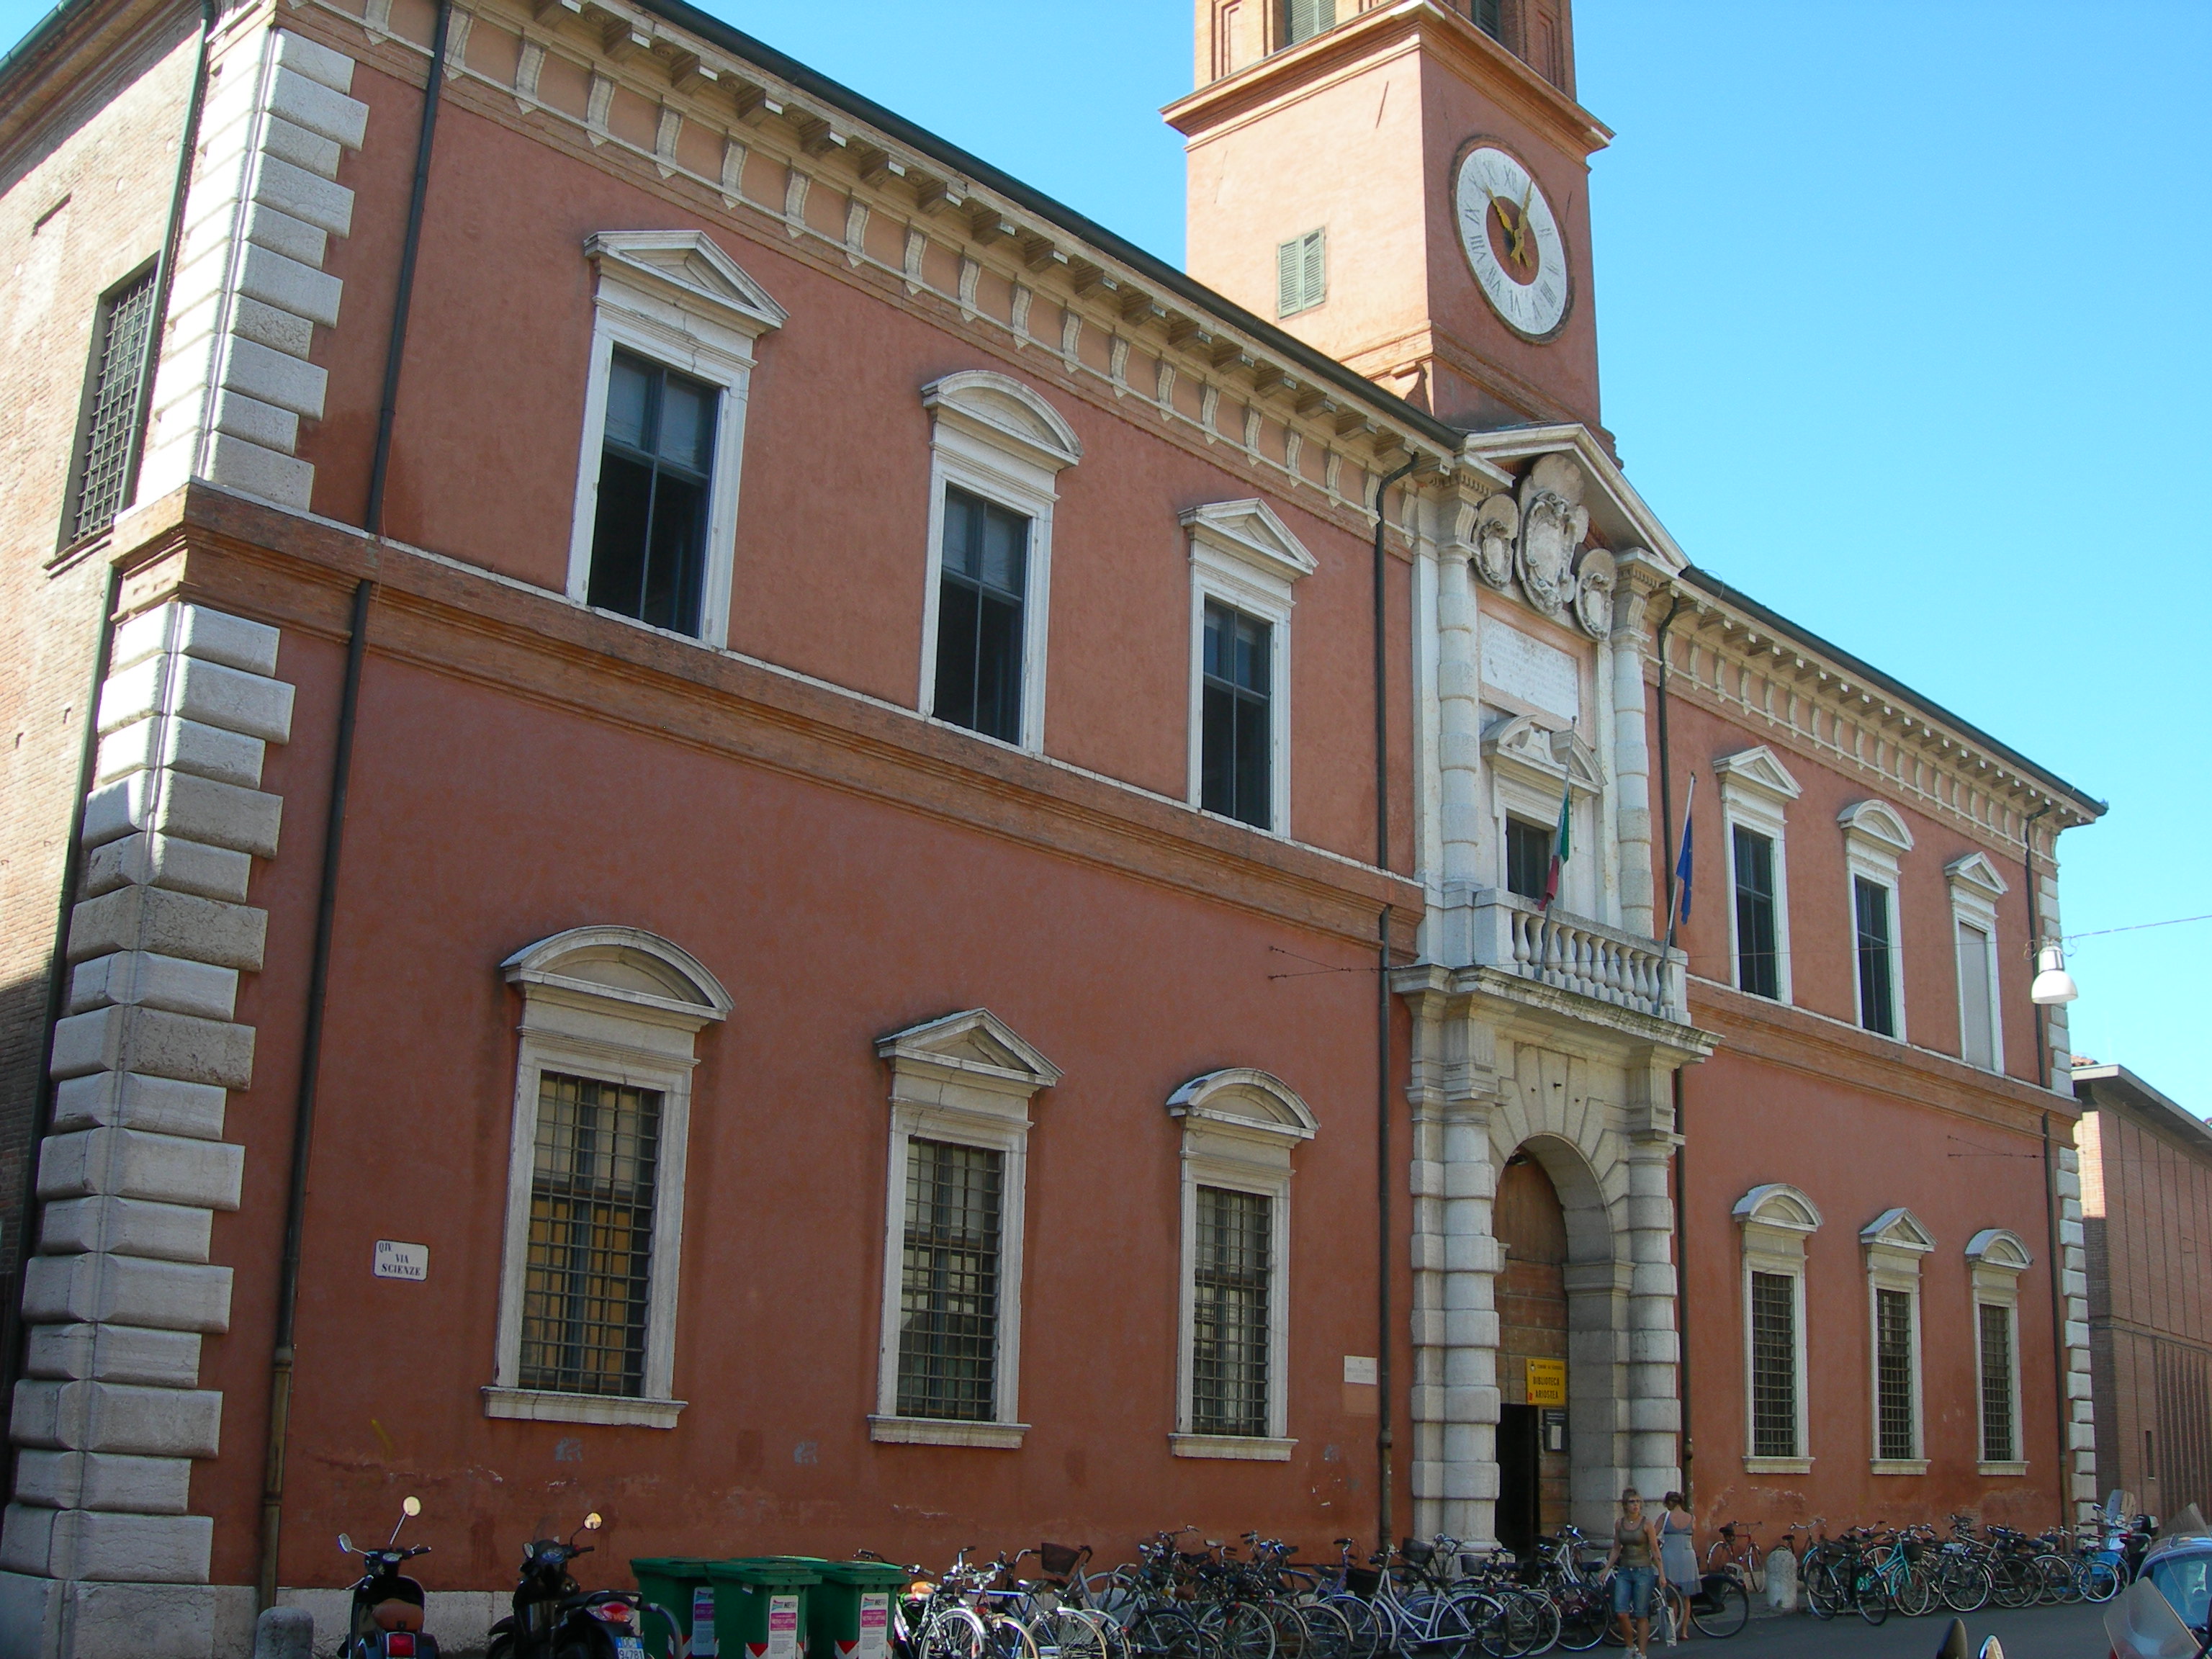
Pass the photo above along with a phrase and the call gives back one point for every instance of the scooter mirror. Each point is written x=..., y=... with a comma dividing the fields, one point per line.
x=592, y=1521
x=345, y=1544
x=412, y=1506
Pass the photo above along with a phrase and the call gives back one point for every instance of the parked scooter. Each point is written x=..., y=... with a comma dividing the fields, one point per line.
x=555, y=1620
x=387, y=1609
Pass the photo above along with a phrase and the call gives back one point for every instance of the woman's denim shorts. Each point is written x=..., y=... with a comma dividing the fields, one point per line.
x=1631, y=1590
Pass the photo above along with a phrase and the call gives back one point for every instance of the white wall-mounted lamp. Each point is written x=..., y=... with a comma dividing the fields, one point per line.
x=2053, y=984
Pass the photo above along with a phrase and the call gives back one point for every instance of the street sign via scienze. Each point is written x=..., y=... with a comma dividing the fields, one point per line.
x=395, y=1260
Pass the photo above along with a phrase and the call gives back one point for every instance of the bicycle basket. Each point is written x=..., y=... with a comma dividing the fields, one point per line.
x=1913, y=1550
x=1417, y=1553
x=1059, y=1560
x=1363, y=1581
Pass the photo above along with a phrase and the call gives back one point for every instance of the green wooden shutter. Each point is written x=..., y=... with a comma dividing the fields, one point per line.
x=1314, y=286
x=1288, y=270
x=1300, y=273
x=1308, y=18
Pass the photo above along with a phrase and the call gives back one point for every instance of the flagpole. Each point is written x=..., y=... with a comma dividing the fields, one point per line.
x=1674, y=871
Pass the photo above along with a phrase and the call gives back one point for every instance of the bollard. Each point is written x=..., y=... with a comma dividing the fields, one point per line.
x=1781, y=1580
x=284, y=1633
x=1955, y=1642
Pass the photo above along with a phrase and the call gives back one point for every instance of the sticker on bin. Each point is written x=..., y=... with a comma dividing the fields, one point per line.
x=703, y=1621
x=782, y=1631
x=875, y=1629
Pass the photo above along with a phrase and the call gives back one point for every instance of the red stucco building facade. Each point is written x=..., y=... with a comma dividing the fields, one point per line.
x=935, y=933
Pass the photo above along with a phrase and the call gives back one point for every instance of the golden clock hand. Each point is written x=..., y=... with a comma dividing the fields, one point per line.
x=1520, y=225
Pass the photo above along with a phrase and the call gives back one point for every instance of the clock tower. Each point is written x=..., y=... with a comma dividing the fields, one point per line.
x=1405, y=184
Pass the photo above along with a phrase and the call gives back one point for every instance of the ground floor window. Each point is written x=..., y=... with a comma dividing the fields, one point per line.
x=1999, y=1442
x=949, y=1288
x=1773, y=1365
x=1230, y=1294
x=584, y=1295
x=1893, y=1374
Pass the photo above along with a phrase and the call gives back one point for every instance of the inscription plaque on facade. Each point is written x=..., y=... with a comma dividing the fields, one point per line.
x=1547, y=1381
x=1524, y=668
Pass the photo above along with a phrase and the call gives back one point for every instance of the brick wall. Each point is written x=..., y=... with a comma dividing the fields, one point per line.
x=85, y=199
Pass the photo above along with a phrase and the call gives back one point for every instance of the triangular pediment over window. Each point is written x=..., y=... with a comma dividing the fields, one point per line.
x=1251, y=530
x=1758, y=769
x=1975, y=871
x=1898, y=1229
x=690, y=267
x=1544, y=756
x=978, y=1042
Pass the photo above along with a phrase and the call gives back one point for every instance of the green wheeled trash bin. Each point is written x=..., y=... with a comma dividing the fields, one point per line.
x=677, y=1582
x=849, y=1613
x=760, y=1609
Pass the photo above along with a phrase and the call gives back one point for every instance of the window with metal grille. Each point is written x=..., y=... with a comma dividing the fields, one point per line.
x=979, y=617
x=1489, y=16
x=1302, y=273
x=1997, y=1445
x=109, y=425
x=649, y=539
x=1976, y=1027
x=1758, y=955
x=949, y=1285
x=1528, y=858
x=1304, y=19
x=585, y=1278
x=1229, y=1313
x=1877, y=982
x=1773, y=1365
x=1237, y=736
x=1894, y=1407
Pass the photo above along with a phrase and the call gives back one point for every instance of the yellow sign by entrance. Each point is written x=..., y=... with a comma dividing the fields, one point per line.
x=1547, y=1381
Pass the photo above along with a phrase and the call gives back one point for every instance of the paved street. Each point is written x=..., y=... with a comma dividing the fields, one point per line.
x=2074, y=1632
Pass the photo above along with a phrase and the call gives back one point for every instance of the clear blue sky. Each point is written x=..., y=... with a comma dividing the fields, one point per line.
x=1902, y=310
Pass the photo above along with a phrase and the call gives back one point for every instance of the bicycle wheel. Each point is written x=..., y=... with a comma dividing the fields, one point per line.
x=2054, y=1580
x=1536, y=1618
x=2100, y=1580
x=1293, y=1633
x=1871, y=1595
x=1827, y=1588
x=951, y=1633
x=1965, y=1585
x=1072, y=1633
x=1238, y=1630
x=1722, y=1609
x=1582, y=1618
x=1914, y=1589
x=1363, y=1630
x=2012, y=1582
x=1328, y=1629
x=1164, y=1633
x=1456, y=1624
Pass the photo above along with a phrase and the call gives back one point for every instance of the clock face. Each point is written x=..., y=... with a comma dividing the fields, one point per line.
x=1512, y=241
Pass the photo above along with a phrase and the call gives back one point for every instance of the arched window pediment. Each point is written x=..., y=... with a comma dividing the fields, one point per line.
x=1242, y=1098
x=1995, y=1247
x=1777, y=1203
x=1005, y=413
x=625, y=965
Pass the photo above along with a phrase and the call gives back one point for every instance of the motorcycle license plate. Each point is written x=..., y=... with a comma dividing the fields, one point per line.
x=628, y=1647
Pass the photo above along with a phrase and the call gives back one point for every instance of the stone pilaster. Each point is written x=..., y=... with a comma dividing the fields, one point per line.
x=1459, y=721
x=1455, y=1261
x=235, y=379
x=1631, y=754
x=2073, y=1268
x=110, y=1416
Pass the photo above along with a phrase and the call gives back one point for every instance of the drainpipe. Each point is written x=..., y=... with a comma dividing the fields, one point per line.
x=283, y=1353
x=1384, y=1513
x=11, y=1350
x=1682, y=1146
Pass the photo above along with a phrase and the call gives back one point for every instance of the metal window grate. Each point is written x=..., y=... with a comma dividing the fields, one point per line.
x=1229, y=1315
x=1997, y=1383
x=1894, y=1408
x=586, y=1277
x=1773, y=1365
x=949, y=1285
x=111, y=419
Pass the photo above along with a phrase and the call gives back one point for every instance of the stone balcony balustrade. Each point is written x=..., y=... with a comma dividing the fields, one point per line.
x=1490, y=927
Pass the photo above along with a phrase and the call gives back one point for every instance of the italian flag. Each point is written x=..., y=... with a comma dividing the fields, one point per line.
x=1562, y=844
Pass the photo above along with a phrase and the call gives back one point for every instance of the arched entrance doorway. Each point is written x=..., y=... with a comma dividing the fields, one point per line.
x=1533, y=1460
